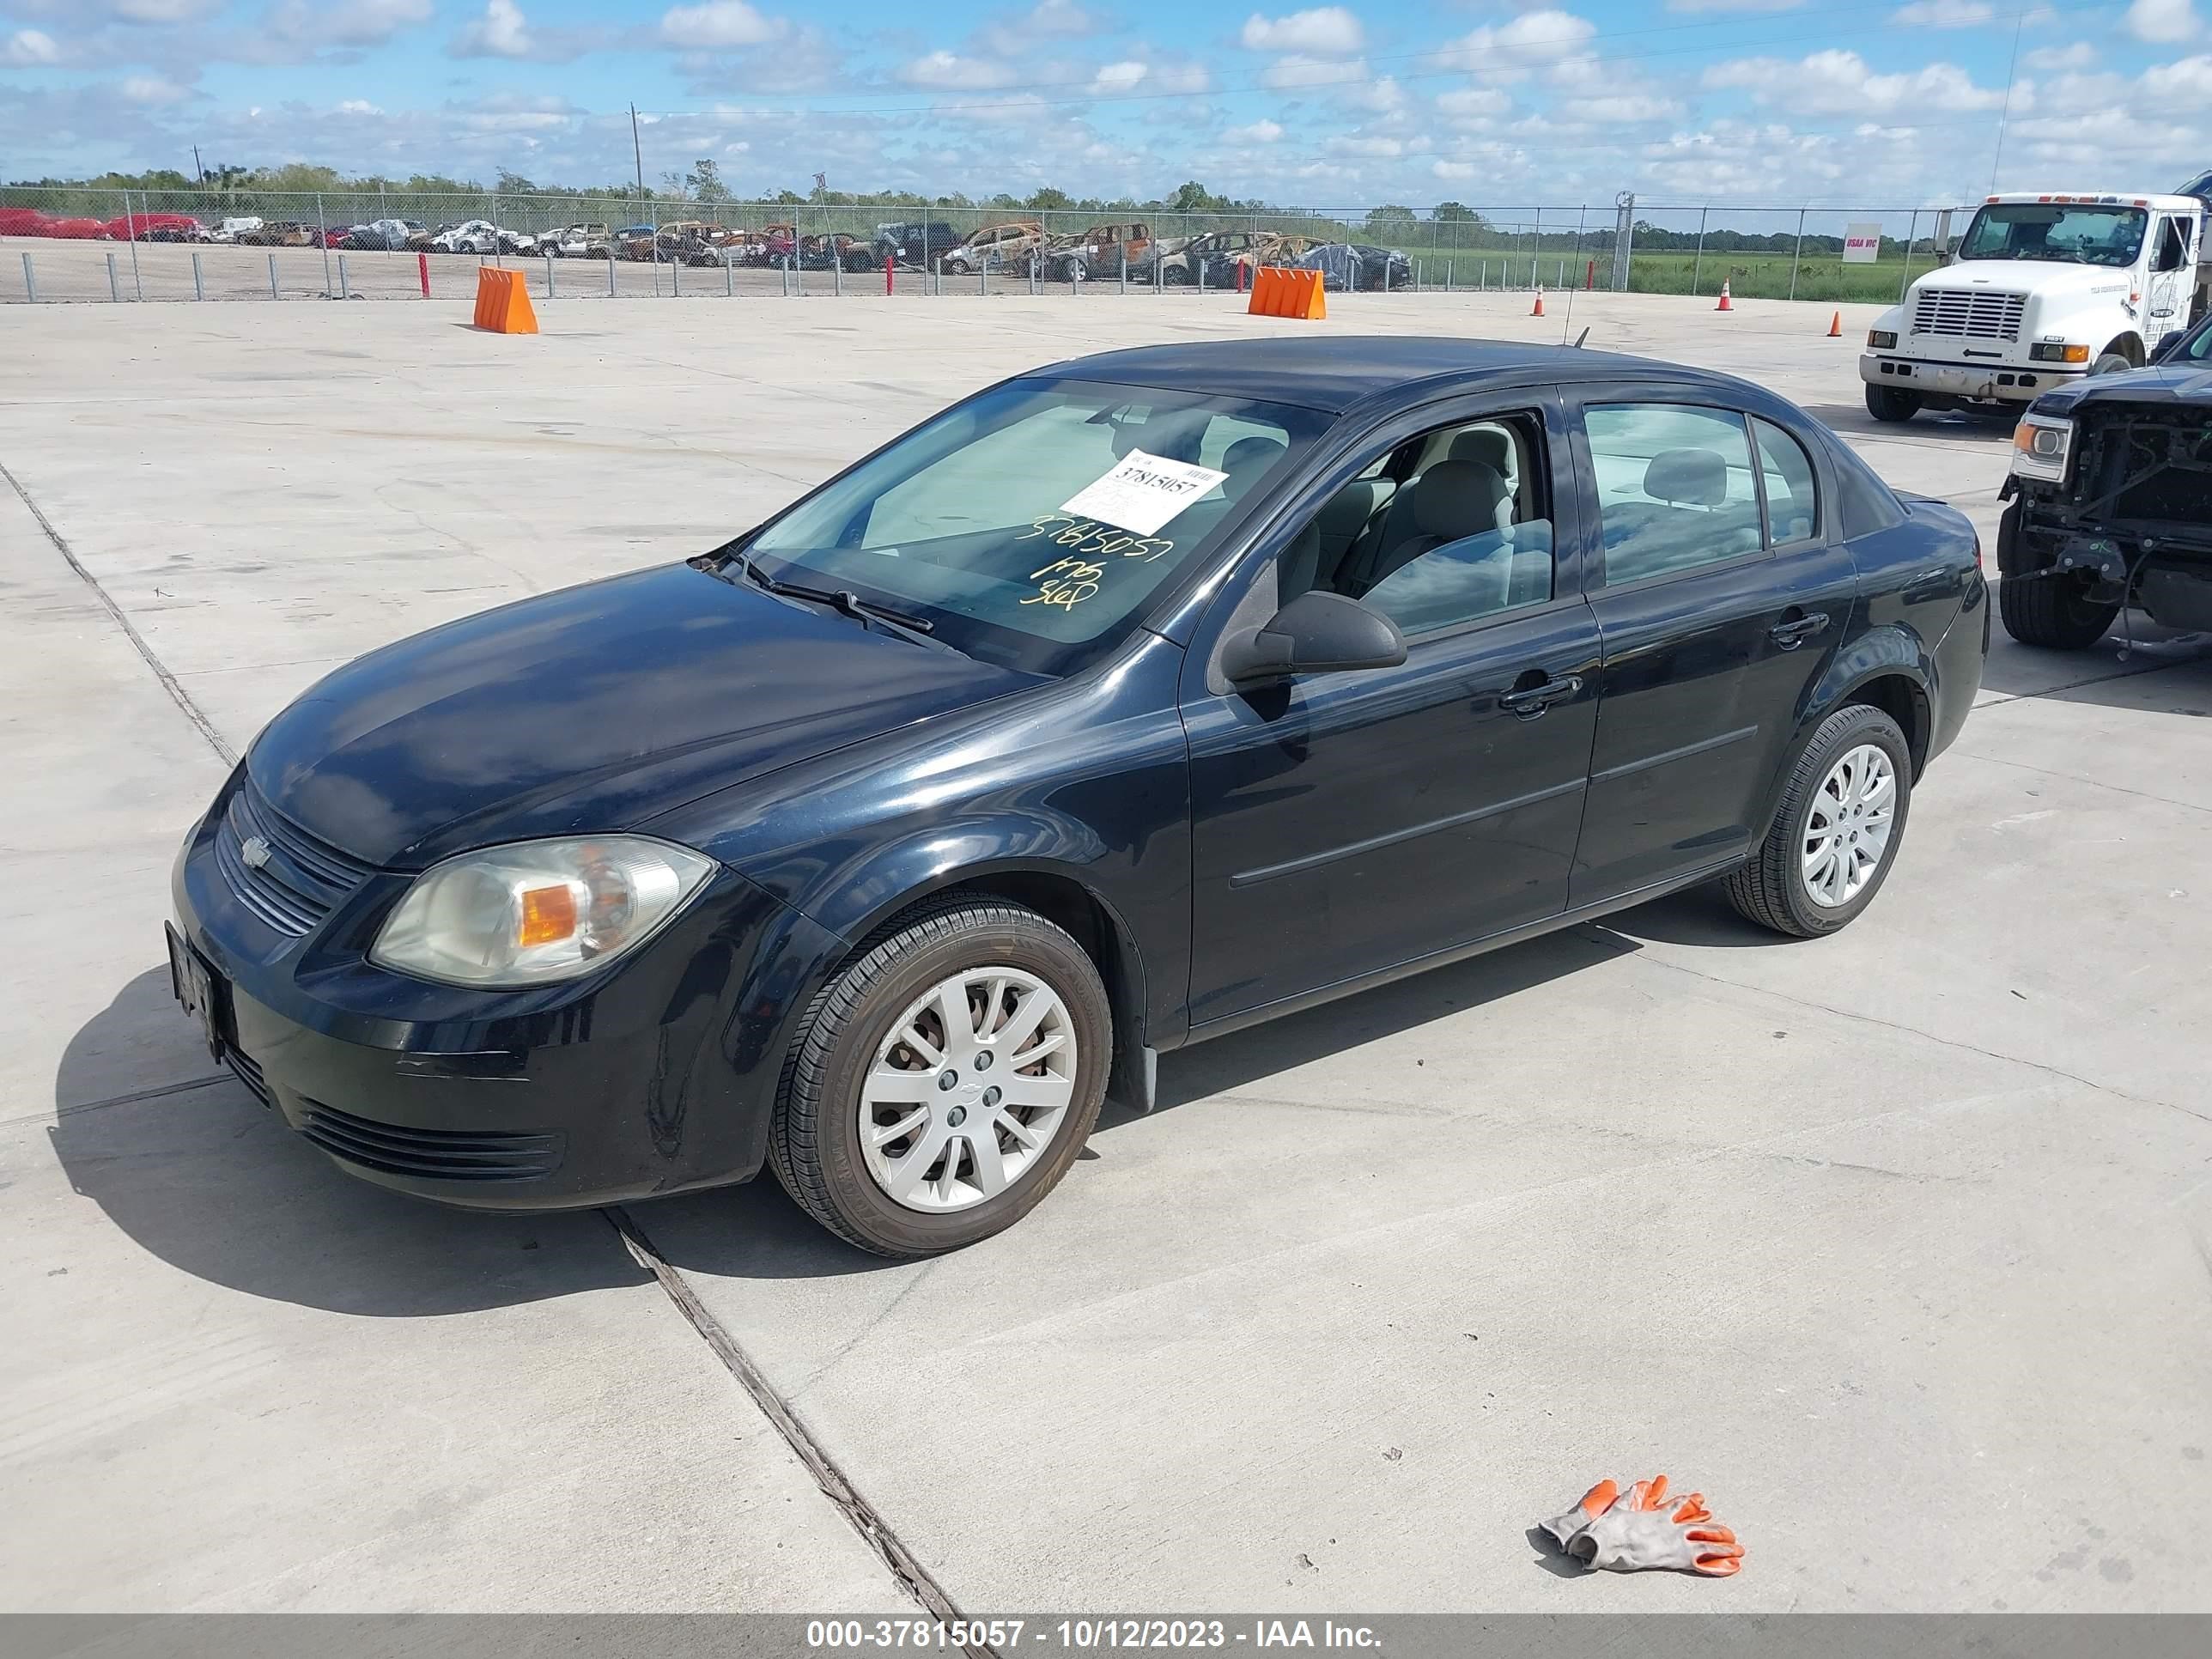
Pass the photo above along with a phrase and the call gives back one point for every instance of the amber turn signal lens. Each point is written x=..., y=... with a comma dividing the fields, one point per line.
x=549, y=914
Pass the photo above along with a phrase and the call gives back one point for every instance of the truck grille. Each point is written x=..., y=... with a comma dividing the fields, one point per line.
x=1978, y=313
x=298, y=879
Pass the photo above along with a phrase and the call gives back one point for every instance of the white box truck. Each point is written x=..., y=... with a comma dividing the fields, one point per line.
x=2043, y=289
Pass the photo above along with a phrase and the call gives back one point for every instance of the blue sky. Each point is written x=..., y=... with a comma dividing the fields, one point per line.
x=1774, y=101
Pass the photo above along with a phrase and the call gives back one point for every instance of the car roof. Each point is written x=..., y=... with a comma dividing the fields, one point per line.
x=1334, y=371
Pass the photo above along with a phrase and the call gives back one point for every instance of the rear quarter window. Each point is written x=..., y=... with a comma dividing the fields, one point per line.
x=1864, y=503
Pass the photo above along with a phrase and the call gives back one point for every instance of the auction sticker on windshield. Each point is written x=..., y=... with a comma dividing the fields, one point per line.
x=1143, y=492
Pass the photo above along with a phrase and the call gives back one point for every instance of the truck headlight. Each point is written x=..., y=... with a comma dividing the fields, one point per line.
x=1883, y=339
x=537, y=911
x=2053, y=351
x=2041, y=448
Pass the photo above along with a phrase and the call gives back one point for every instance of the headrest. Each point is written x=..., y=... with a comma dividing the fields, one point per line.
x=1698, y=476
x=1246, y=459
x=1493, y=446
x=1453, y=499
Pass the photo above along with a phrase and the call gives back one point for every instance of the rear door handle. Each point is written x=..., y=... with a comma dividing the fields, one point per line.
x=1794, y=631
x=1531, y=700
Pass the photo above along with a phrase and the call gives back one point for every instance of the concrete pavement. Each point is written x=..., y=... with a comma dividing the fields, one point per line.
x=1895, y=1243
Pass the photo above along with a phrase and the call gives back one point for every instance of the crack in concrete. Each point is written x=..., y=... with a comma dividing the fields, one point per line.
x=915, y=1579
x=132, y=1099
x=2086, y=783
x=178, y=695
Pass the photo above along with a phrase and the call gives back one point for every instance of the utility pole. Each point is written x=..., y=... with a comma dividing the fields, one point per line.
x=2005, y=112
x=636, y=152
x=198, y=168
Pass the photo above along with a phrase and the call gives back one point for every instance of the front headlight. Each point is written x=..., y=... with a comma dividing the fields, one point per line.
x=1883, y=339
x=2058, y=351
x=2041, y=448
x=537, y=911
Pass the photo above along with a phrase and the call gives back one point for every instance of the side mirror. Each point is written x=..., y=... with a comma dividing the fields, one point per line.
x=1317, y=633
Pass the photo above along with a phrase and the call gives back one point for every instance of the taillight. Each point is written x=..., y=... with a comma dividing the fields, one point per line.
x=1977, y=549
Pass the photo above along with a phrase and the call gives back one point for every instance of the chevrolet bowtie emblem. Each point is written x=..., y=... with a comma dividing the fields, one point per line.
x=254, y=851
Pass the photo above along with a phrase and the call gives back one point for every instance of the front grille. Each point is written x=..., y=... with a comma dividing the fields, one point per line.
x=434, y=1154
x=248, y=1071
x=298, y=880
x=1978, y=313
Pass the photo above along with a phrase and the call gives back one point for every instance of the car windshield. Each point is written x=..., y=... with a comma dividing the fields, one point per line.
x=2079, y=234
x=1031, y=525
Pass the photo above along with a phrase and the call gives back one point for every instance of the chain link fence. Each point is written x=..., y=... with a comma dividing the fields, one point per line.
x=75, y=243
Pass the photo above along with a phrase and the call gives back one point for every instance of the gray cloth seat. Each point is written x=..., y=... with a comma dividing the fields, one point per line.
x=1688, y=521
x=1450, y=501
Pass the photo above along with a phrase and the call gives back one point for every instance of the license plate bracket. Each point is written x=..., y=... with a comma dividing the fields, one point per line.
x=199, y=989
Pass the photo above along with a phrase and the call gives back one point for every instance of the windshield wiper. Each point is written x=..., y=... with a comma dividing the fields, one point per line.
x=842, y=600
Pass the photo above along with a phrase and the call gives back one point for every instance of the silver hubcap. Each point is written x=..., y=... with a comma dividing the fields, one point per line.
x=1848, y=829
x=969, y=1090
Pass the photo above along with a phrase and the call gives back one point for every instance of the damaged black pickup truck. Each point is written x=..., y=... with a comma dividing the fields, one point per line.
x=2110, y=502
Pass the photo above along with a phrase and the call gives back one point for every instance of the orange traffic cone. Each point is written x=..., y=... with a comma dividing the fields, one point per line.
x=1725, y=305
x=1836, y=326
x=1539, y=309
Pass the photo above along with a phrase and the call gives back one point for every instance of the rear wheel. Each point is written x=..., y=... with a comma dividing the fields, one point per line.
x=1889, y=405
x=1842, y=820
x=943, y=1085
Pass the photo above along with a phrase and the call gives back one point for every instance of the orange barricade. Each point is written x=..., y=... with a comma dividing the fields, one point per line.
x=503, y=302
x=1279, y=292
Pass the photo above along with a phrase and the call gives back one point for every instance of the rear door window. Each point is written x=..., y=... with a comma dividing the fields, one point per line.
x=1675, y=488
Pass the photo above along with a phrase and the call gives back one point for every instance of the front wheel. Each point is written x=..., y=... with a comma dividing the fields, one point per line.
x=1890, y=405
x=2053, y=610
x=2112, y=363
x=1842, y=820
x=944, y=1082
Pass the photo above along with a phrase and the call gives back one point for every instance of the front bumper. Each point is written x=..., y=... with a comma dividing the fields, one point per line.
x=657, y=1075
x=1974, y=382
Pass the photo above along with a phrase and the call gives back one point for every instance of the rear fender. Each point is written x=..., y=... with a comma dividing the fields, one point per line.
x=1879, y=651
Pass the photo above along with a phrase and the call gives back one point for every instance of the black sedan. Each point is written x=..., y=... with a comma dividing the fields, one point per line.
x=1125, y=703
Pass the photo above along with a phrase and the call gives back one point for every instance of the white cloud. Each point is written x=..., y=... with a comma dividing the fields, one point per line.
x=2162, y=22
x=1259, y=132
x=1119, y=77
x=1533, y=38
x=1059, y=17
x=154, y=89
x=1733, y=5
x=1325, y=31
x=1299, y=71
x=946, y=69
x=359, y=107
x=1453, y=170
x=311, y=27
x=718, y=23
x=1837, y=83
x=29, y=48
x=161, y=11
x=1364, y=145
x=2185, y=82
x=501, y=32
x=1945, y=14
x=2052, y=59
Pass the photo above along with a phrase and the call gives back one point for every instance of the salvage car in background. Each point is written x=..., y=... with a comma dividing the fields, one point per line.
x=1122, y=704
x=586, y=242
x=1098, y=251
x=2110, y=502
x=1358, y=265
x=914, y=242
x=997, y=247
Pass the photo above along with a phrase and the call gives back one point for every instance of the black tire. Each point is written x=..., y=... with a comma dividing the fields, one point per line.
x=2113, y=362
x=2051, y=609
x=1891, y=405
x=1771, y=890
x=1175, y=276
x=814, y=1140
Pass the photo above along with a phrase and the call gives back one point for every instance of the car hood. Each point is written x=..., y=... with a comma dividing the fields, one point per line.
x=2166, y=385
x=593, y=708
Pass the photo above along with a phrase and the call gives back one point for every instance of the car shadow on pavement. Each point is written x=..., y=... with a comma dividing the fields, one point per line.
x=209, y=1181
x=2140, y=647
x=198, y=1173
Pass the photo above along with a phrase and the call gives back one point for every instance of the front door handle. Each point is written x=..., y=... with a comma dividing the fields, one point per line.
x=1793, y=631
x=1530, y=700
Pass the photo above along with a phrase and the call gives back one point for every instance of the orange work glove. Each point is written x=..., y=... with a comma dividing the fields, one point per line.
x=1642, y=1531
x=1593, y=1504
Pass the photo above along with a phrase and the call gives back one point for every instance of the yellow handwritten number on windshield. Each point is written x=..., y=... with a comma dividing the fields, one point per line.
x=1066, y=583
